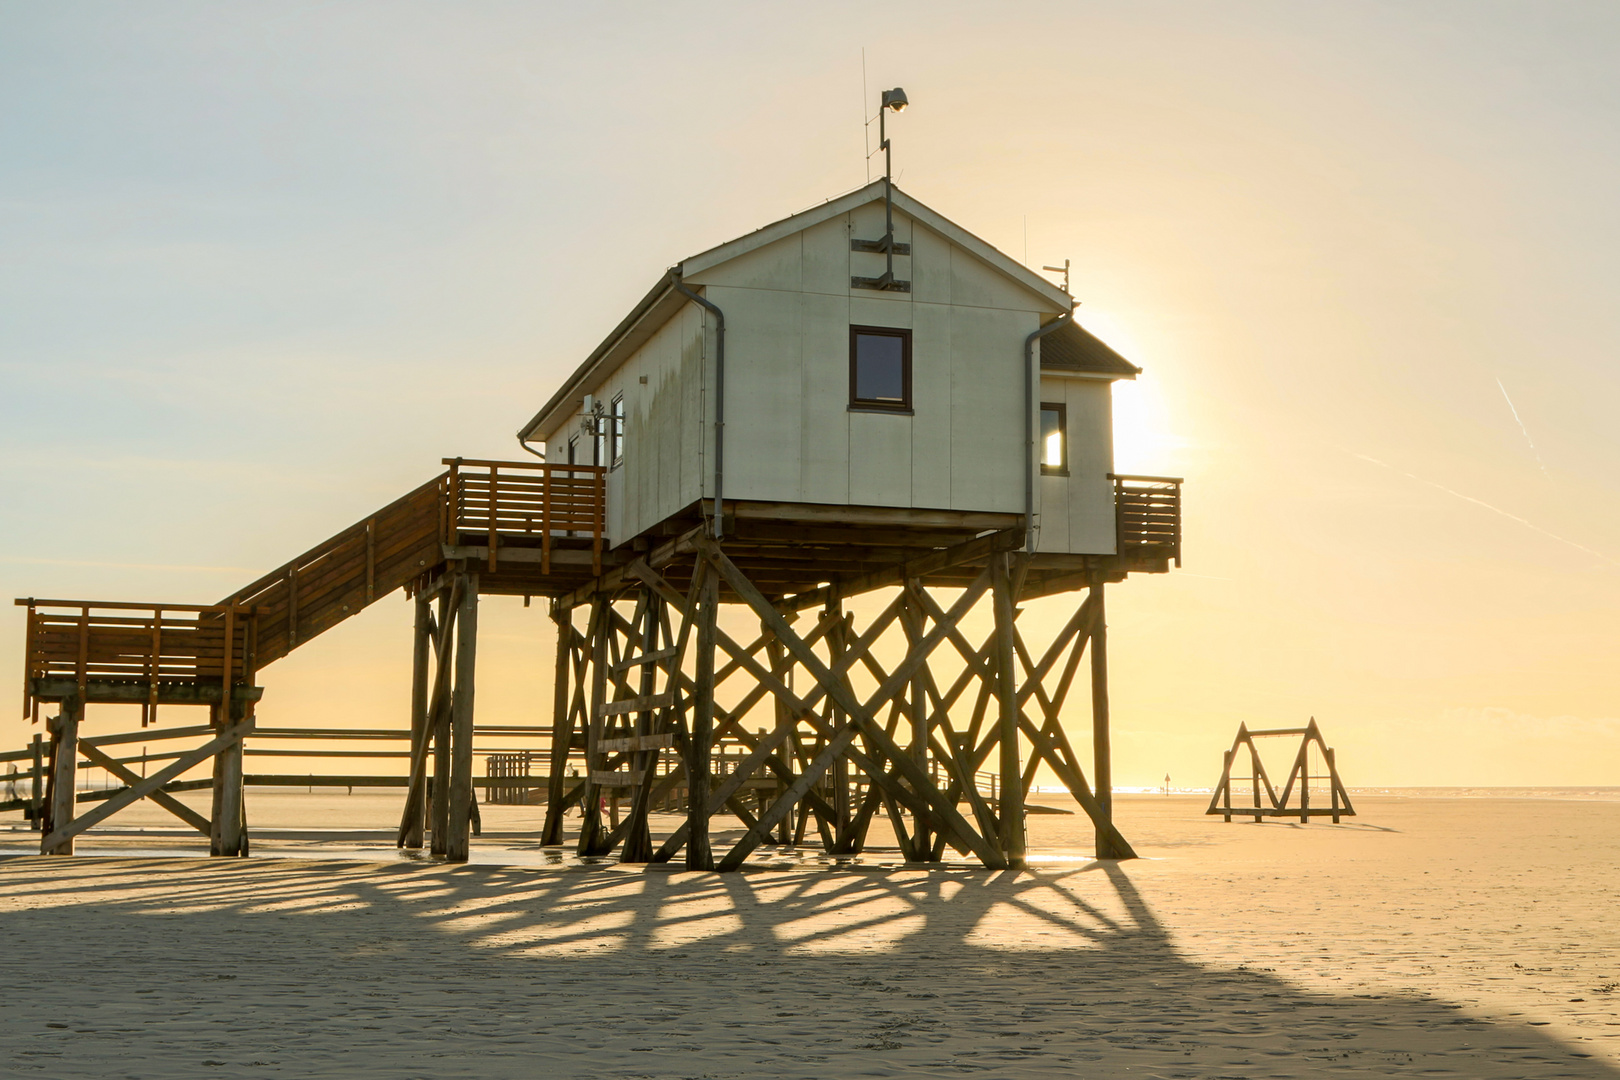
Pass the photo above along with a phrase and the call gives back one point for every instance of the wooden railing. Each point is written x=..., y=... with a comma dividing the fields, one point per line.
x=339, y=577
x=1147, y=516
x=518, y=498
x=150, y=643
x=84, y=642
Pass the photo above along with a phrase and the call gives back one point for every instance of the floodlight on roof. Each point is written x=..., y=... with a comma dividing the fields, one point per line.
x=895, y=99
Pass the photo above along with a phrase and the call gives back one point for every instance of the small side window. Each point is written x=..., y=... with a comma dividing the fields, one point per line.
x=1054, y=439
x=879, y=368
x=616, y=432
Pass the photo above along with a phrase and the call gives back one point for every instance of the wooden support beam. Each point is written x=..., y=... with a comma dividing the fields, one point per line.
x=461, y=724
x=699, y=855
x=860, y=714
x=592, y=834
x=562, y=728
x=58, y=831
x=95, y=756
x=414, y=817
x=1102, y=753
x=438, y=800
x=228, y=836
x=1011, y=805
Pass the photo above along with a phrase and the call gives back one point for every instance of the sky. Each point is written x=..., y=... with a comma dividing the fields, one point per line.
x=262, y=266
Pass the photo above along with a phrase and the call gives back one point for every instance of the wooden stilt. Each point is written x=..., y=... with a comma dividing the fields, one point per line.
x=413, y=819
x=37, y=785
x=1102, y=773
x=592, y=833
x=1010, y=810
x=226, y=833
x=562, y=730
x=64, y=729
x=699, y=855
x=916, y=707
x=461, y=725
x=438, y=796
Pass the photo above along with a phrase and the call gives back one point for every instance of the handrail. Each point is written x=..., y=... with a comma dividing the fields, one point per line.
x=154, y=647
x=563, y=498
x=1147, y=516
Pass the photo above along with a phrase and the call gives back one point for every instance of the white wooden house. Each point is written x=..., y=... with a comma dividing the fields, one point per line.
x=935, y=394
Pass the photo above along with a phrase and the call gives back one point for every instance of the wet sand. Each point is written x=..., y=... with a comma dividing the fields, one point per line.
x=1437, y=937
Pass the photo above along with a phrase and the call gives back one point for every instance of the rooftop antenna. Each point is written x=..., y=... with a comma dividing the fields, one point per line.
x=1064, y=270
x=892, y=100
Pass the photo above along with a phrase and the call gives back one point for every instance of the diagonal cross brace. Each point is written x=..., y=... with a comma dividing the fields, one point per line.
x=95, y=756
x=135, y=792
x=859, y=714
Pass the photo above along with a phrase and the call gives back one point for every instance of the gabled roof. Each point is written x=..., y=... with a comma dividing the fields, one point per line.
x=662, y=301
x=1074, y=348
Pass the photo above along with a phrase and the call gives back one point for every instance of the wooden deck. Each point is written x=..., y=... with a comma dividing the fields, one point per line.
x=538, y=530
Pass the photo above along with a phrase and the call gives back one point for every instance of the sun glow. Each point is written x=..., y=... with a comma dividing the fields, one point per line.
x=1143, y=440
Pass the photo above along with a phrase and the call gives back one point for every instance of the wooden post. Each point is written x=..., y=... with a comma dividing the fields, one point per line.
x=438, y=797
x=64, y=772
x=415, y=813
x=845, y=842
x=916, y=704
x=1011, y=786
x=1102, y=752
x=699, y=855
x=562, y=724
x=591, y=832
x=461, y=724
x=226, y=834
x=38, y=793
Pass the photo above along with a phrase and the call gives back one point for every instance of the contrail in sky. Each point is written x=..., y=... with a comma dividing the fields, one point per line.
x=1493, y=509
x=1522, y=428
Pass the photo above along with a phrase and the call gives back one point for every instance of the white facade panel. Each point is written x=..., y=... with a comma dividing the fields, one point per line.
x=791, y=435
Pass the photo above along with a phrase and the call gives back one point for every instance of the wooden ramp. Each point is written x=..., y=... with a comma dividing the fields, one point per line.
x=544, y=522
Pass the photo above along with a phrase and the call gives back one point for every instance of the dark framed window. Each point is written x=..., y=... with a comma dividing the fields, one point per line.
x=1054, y=439
x=879, y=368
x=616, y=432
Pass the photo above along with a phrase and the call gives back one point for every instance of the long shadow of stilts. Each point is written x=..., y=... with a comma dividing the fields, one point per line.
x=171, y=968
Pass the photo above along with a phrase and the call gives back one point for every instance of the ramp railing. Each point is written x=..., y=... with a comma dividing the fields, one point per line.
x=108, y=651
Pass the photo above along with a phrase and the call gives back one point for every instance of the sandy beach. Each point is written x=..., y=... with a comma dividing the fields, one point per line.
x=1437, y=937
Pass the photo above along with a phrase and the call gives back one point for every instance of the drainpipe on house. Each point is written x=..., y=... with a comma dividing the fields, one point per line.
x=525, y=444
x=1030, y=456
x=719, y=395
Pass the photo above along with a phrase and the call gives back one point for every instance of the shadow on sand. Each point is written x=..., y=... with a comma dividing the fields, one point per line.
x=177, y=968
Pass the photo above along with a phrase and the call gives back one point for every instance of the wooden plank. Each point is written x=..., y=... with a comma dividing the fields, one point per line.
x=636, y=742
x=637, y=704
x=644, y=659
x=603, y=778
x=130, y=779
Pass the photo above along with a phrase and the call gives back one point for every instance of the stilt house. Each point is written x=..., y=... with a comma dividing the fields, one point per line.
x=862, y=396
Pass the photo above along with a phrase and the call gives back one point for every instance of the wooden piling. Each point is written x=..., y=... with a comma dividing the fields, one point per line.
x=64, y=775
x=699, y=855
x=1010, y=812
x=461, y=725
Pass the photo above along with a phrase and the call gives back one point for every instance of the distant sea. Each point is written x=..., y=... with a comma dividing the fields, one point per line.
x=1577, y=794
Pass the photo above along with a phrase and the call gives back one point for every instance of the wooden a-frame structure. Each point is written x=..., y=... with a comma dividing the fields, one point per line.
x=1276, y=805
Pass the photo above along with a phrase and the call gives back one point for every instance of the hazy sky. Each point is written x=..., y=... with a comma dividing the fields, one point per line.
x=261, y=266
